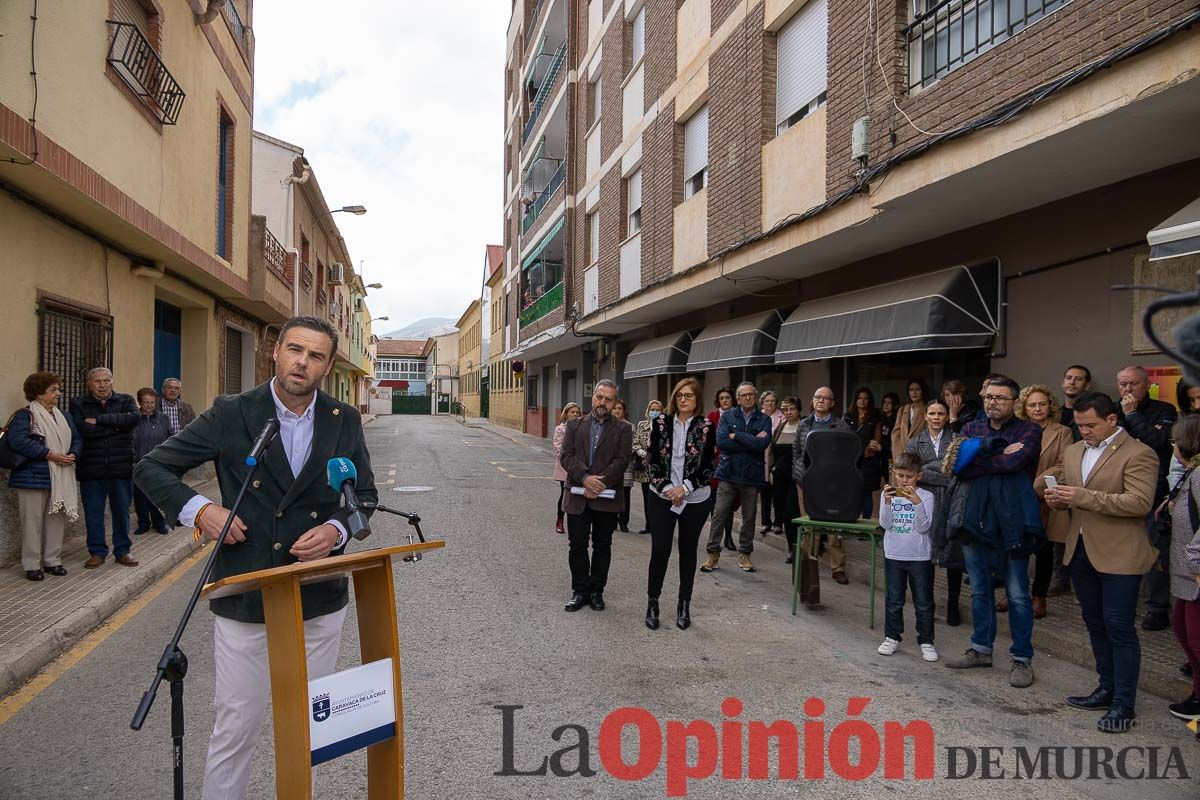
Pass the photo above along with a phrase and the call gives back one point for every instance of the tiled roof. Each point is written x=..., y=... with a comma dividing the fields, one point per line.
x=400, y=347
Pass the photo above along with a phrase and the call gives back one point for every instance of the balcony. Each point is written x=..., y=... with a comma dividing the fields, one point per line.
x=133, y=59
x=321, y=296
x=240, y=31
x=544, y=91
x=306, y=276
x=275, y=257
x=539, y=308
x=542, y=198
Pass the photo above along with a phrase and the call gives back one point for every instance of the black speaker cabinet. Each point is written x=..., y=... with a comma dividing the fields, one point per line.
x=833, y=487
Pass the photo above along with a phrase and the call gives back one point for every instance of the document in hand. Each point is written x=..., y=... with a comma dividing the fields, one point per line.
x=607, y=494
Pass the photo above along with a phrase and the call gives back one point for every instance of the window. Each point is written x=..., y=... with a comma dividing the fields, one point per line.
x=71, y=341
x=225, y=186
x=945, y=35
x=233, y=361
x=695, y=153
x=594, y=93
x=531, y=391
x=633, y=196
x=802, y=59
x=637, y=36
x=593, y=254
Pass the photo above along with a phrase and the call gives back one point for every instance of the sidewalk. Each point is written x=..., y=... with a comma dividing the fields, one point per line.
x=1060, y=634
x=41, y=621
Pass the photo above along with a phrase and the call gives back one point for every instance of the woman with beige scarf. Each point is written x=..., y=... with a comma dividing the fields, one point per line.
x=47, y=494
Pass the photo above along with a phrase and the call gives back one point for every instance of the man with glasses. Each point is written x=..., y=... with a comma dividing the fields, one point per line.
x=743, y=435
x=1150, y=422
x=1011, y=446
x=822, y=418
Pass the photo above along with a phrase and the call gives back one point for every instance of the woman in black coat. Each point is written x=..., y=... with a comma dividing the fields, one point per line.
x=864, y=418
x=680, y=465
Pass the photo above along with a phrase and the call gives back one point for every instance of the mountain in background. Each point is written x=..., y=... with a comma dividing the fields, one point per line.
x=423, y=329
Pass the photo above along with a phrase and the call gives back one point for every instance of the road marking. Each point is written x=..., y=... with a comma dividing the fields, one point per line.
x=531, y=477
x=61, y=665
x=391, y=473
x=502, y=469
x=516, y=462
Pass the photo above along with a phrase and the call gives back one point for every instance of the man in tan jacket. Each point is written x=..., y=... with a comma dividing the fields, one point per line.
x=1107, y=481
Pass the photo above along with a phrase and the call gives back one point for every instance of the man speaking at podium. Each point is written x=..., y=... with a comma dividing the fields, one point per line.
x=289, y=514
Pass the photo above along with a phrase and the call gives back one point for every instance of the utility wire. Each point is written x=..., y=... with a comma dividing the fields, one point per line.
x=33, y=75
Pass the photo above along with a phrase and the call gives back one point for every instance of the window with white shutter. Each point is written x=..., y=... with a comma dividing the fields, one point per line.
x=593, y=237
x=233, y=361
x=695, y=153
x=801, y=64
x=134, y=13
x=634, y=197
x=637, y=47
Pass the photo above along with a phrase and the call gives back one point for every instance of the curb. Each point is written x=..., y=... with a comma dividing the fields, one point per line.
x=46, y=646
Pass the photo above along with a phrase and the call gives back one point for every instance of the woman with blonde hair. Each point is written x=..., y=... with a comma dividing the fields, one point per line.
x=1037, y=403
x=682, y=443
x=641, y=447
x=47, y=495
x=570, y=411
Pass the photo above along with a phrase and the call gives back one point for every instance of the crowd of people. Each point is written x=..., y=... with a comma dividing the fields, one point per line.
x=85, y=458
x=1103, y=495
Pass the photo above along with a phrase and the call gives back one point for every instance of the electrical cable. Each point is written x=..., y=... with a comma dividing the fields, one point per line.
x=33, y=74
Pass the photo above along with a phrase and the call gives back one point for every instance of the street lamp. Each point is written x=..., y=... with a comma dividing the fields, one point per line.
x=357, y=211
x=374, y=286
x=374, y=319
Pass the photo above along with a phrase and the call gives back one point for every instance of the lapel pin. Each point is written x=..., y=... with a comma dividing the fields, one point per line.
x=337, y=411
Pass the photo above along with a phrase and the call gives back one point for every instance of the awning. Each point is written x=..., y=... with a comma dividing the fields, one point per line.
x=950, y=309
x=665, y=355
x=742, y=342
x=1177, y=235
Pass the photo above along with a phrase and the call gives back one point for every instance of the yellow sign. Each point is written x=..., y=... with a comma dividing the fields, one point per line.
x=1195, y=726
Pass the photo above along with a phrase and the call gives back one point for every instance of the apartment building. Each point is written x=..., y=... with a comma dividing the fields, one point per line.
x=502, y=398
x=471, y=366
x=845, y=191
x=441, y=371
x=125, y=199
x=302, y=258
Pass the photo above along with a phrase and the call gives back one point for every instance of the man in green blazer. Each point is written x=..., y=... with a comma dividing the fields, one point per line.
x=289, y=514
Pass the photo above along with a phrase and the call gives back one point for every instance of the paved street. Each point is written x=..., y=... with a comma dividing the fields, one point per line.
x=482, y=625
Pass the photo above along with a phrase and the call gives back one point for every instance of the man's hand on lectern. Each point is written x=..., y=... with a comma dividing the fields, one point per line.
x=212, y=519
x=316, y=543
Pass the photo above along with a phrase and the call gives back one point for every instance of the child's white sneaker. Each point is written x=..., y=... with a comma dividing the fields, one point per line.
x=888, y=647
x=928, y=652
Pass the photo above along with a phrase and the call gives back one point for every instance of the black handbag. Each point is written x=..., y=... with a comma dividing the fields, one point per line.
x=9, y=458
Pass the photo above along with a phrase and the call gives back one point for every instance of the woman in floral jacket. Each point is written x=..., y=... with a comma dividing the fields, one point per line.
x=680, y=466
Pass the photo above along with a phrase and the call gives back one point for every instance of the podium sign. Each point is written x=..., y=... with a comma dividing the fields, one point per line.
x=351, y=709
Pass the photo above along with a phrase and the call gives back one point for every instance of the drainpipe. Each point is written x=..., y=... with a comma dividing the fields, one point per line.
x=289, y=184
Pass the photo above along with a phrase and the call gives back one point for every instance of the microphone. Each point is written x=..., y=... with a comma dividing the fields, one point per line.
x=342, y=476
x=263, y=441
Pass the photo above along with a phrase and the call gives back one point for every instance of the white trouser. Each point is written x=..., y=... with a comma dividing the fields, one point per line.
x=242, y=687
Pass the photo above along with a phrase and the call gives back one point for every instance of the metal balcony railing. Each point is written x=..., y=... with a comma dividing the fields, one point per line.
x=560, y=58
x=134, y=59
x=533, y=18
x=235, y=22
x=306, y=276
x=539, y=308
x=275, y=257
x=543, y=197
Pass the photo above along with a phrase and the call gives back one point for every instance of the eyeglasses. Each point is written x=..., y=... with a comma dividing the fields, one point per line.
x=996, y=398
x=685, y=395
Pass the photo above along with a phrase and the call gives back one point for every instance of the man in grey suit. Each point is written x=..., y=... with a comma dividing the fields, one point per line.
x=288, y=514
x=595, y=450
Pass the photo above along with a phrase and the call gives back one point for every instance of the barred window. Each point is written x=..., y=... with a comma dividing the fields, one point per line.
x=71, y=341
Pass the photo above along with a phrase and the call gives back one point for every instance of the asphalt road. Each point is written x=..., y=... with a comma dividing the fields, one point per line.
x=482, y=626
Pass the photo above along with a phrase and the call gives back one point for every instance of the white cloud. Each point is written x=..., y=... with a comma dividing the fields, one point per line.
x=399, y=107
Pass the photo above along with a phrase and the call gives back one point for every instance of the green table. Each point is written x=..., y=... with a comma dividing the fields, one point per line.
x=863, y=530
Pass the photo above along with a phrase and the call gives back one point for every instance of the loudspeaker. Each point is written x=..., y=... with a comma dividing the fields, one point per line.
x=833, y=487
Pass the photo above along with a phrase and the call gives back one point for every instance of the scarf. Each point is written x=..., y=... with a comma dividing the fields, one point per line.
x=53, y=427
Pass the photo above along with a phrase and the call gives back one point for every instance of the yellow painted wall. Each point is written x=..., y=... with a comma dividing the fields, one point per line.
x=172, y=173
x=793, y=169
x=691, y=231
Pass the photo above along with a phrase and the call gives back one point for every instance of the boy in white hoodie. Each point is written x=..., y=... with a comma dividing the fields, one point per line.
x=906, y=516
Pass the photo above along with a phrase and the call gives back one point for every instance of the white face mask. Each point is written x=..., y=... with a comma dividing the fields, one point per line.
x=655, y=414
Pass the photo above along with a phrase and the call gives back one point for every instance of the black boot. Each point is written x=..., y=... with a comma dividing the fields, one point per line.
x=953, y=618
x=652, y=614
x=791, y=556
x=683, y=615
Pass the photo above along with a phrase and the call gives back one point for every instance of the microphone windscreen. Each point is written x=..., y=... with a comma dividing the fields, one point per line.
x=338, y=471
x=1187, y=339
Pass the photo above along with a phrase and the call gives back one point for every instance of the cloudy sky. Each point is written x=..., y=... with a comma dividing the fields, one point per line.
x=398, y=105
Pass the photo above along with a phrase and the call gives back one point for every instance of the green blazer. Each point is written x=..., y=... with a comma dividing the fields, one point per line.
x=277, y=508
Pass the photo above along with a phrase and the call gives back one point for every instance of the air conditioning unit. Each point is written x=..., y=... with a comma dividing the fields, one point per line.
x=337, y=274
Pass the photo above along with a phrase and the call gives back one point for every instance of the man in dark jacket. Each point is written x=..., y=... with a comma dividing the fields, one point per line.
x=1150, y=422
x=153, y=429
x=179, y=413
x=288, y=514
x=106, y=420
x=743, y=435
x=822, y=418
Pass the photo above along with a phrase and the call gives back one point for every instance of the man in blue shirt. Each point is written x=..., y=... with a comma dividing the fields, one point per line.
x=743, y=435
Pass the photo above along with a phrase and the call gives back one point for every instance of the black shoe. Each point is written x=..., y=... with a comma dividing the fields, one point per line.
x=1189, y=709
x=953, y=616
x=34, y=574
x=683, y=615
x=578, y=600
x=624, y=528
x=57, y=570
x=1185, y=669
x=644, y=531
x=1156, y=621
x=1118, y=719
x=791, y=556
x=140, y=531
x=1097, y=700
x=652, y=614
x=840, y=577
x=162, y=529
x=597, y=601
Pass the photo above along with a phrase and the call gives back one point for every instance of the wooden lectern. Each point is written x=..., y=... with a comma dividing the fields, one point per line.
x=378, y=637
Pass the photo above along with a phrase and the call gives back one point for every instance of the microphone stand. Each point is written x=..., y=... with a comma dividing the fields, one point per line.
x=173, y=664
x=413, y=519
